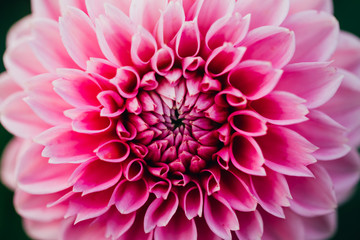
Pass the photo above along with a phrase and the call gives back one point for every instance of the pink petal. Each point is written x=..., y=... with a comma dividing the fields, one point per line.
x=89, y=177
x=170, y=22
x=246, y=155
x=319, y=5
x=263, y=13
x=319, y=43
x=188, y=40
x=281, y=40
x=88, y=121
x=248, y=123
x=143, y=47
x=113, y=151
x=134, y=170
x=297, y=79
x=223, y=59
x=230, y=28
x=160, y=212
x=78, y=36
x=241, y=199
x=115, y=38
x=204, y=232
x=163, y=60
x=254, y=79
x=79, y=89
x=178, y=228
x=113, y=104
x=96, y=8
x=27, y=124
x=19, y=31
x=46, y=9
x=220, y=217
x=46, y=33
x=38, y=176
x=312, y=196
x=281, y=108
x=130, y=196
x=44, y=101
x=62, y=145
x=116, y=223
x=211, y=11
x=287, y=152
x=251, y=225
x=326, y=134
x=146, y=13
x=79, y=4
x=127, y=81
x=192, y=201
x=272, y=192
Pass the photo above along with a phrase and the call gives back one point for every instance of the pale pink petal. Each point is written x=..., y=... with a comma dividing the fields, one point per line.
x=263, y=13
x=46, y=9
x=322, y=227
x=287, y=152
x=282, y=229
x=211, y=11
x=220, y=217
x=19, y=31
x=147, y=12
x=38, y=176
x=35, y=207
x=319, y=43
x=143, y=47
x=78, y=35
x=43, y=230
x=281, y=39
x=7, y=86
x=302, y=5
x=9, y=162
x=344, y=173
x=96, y=8
x=178, y=228
x=26, y=124
x=21, y=62
x=298, y=79
x=281, y=108
x=312, y=196
x=79, y=4
x=347, y=53
x=46, y=33
x=251, y=225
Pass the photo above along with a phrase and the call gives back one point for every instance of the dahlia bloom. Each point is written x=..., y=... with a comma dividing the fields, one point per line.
x=192, y=119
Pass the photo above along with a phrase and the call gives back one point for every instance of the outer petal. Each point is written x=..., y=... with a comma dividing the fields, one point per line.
x=26, y=124
x=79, y=37
x=322, y=227
x=43, y=230
x=7, y=86
x=54, y=55
x=251, y=225
x=316, y=35
x=263, y=13
x=302, y=5
x=46, y=9
x=83, y=230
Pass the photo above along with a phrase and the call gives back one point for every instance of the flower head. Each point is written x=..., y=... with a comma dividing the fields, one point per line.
x=192, y=119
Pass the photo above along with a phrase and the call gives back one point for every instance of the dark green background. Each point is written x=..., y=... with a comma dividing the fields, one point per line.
x=347, y=11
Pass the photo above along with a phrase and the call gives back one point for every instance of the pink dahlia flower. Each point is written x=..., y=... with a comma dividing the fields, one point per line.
x=192, y=119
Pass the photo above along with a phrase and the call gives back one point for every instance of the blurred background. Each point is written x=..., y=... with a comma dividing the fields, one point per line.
x=347, y=12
